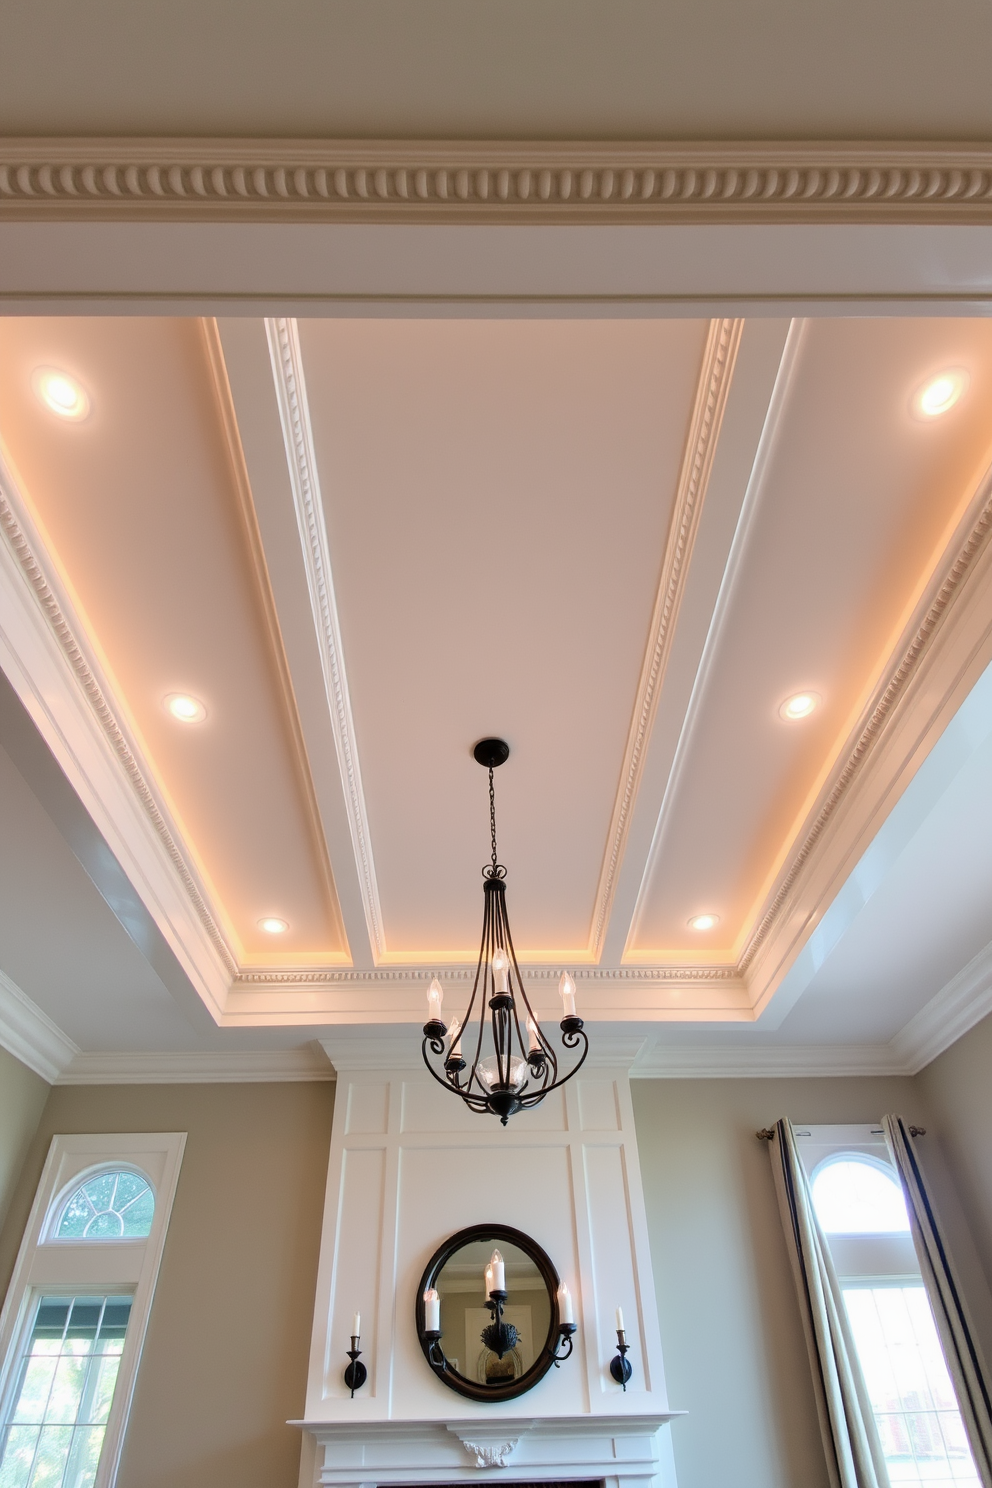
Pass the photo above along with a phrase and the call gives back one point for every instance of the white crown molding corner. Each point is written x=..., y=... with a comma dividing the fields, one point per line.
x=964, y=1001
x=944, y=648
x=294, y=414
x=30, y=1035
x=493, y=181
x=57, y=677
x=280, y=1066
x=767, y=1061
x=712, y=390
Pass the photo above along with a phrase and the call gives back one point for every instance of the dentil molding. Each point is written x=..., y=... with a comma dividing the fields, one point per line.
x=492, y=181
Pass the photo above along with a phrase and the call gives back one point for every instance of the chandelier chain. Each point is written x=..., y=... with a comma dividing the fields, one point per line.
x=492, y=815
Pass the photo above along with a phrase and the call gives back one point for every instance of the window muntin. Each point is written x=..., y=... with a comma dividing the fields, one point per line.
x=853, y=1195
x=117, y=1204
x=63, y=1391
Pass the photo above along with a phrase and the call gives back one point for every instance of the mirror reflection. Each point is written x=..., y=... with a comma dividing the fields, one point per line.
x=463, y=1284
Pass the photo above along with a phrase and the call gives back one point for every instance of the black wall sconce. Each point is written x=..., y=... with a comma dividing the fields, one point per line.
x=620, y=1366
x=356, y=1374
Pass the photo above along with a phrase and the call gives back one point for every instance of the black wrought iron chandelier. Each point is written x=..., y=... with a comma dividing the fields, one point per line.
x=516, y=1067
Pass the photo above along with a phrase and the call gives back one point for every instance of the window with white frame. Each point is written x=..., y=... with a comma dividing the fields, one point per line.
x=75, y=1316
x=859, y=1202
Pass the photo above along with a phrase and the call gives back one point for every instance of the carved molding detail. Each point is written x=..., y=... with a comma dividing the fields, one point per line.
x=712, y=389
x=385, y=976
x=299, y=180
x=287, y=371
x=490, y=1454
x=30, y=566
x=886, y=698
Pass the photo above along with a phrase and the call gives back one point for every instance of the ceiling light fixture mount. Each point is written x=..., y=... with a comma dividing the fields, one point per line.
x=522, y=1068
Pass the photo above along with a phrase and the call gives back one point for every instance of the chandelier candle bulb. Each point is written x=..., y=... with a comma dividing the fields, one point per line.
x=455, y=1034
x=533, y=1039
x=432, y=1311
x=435, y=997
x=565, y=1305
x=500, y=971
x=566, y=988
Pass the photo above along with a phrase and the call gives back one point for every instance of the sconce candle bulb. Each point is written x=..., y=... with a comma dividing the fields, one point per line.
x=432, y=1311
x=565, y=1304
x=498, y=1273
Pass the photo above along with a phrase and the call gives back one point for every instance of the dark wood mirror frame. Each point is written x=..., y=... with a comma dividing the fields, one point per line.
x=435, y=1356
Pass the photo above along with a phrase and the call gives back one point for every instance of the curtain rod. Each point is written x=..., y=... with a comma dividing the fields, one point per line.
x=767, y=1133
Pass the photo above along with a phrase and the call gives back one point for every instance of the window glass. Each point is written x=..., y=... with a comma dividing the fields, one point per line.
x=108, y=1206
x=912, y=1398
x=854, y=1196
x=63, y=1392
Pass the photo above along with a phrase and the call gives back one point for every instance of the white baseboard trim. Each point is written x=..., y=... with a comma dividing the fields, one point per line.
x=286, y=1066
x=30, y=1035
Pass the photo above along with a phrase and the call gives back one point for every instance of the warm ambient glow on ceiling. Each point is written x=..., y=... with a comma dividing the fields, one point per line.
x=800, y=705
x=61, y=393
x=187, y=709
x=941, y=393
x=272, y=925
x=704, y=922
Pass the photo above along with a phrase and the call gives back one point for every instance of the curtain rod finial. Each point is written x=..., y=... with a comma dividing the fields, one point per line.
x=766, y=1134
x=917, y=1131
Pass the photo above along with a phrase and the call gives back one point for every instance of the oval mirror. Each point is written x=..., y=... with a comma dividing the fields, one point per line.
x=498, y=1366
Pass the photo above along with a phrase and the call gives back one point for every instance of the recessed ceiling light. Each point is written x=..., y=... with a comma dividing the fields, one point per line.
x=272, y=925
x=187, y=709
x=941, y=393
x=61, y=393
x=704, y=922
x=800, y=705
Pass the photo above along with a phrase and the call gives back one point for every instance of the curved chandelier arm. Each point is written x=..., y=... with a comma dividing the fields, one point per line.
x=571, y=1038
x=447, y=1082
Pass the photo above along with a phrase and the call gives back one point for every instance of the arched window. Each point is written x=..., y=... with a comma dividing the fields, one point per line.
x=856, y=1195
x=112, y=1205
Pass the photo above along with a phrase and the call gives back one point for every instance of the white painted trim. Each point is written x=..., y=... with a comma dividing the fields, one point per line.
x=294, y=414
x=767, y=1062
x=30, y=1035
x=49, y=664
x=958, y=1006
x=133, y=1267
x=289, y=1066
x=712, y=390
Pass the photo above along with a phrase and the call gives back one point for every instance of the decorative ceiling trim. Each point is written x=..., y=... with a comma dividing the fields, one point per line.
x=294, y=413
x=24, y=545
x=30, y=1035
x=649, y=975
x=493, y=181
x=285, y=1066
x=712, y=389
x=263, y=587
x=950, y=581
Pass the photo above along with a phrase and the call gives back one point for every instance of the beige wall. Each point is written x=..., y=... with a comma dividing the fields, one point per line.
x=22, y=1100
x=735, y=1358
x=224, y=1365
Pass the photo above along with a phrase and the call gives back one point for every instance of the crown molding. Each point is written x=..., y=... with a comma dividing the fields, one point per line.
x=961, y=1003
x=284, y=1066
x=59, y=681
x=30, y=1035
x=768, y=1061
x=294, y=413
x=493, y=181
x=712, y=389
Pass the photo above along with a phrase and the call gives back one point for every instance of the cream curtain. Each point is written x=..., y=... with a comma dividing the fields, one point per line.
x=964, y=1362
x=850, y=1439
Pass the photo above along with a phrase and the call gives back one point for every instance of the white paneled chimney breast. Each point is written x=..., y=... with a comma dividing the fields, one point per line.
x=409, y=1168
